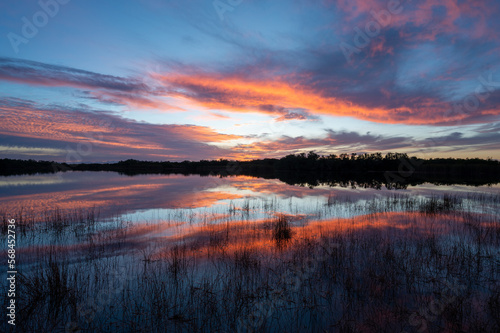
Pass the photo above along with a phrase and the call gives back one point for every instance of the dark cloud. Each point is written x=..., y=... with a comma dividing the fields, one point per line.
x=333, y=142
x=32, y=72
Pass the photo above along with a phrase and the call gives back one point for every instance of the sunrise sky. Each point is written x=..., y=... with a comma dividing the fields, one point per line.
x=88, y=80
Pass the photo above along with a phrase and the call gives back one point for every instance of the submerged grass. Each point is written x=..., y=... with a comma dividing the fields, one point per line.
x=282, y=232
x=434, y=265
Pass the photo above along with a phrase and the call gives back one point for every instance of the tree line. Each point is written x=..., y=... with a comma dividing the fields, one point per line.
x=302, y=168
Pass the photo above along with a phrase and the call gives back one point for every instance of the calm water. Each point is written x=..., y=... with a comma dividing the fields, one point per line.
x=206, y=226
x=160, y=197
x=158, y=206
x=154, y=208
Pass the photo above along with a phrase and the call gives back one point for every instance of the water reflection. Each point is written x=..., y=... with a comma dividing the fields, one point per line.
x=203, y=253
x=149, y=195
x=76, y=211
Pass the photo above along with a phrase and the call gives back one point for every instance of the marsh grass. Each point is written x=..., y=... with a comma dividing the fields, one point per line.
x=434, y=267
x=282, y=232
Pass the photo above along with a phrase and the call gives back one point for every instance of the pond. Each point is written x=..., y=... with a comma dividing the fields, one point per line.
x=101, y=251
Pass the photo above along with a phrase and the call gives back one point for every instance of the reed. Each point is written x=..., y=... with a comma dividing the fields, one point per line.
x=436, y=269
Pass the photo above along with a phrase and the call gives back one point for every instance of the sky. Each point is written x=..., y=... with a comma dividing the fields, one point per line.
x=103, y=81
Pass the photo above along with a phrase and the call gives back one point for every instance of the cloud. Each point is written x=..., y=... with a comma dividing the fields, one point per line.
x=30, y=151
x=130, y=91
x=290, y=97
x=426, y=59
x=425, y=19
x=279, y=96
x=333, y=142
x=422, y=68
x=412, y=95
x=87, y=135
x=489, y=140
x=83, y=135
x=37, y=73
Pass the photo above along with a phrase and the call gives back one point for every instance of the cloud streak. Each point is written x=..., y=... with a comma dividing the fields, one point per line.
x=130, y=91
x=103, y=136
x=303, y=95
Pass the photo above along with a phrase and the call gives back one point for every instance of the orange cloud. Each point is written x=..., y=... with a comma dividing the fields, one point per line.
x=107, y=134
x=53, y=125
x=279, y=96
